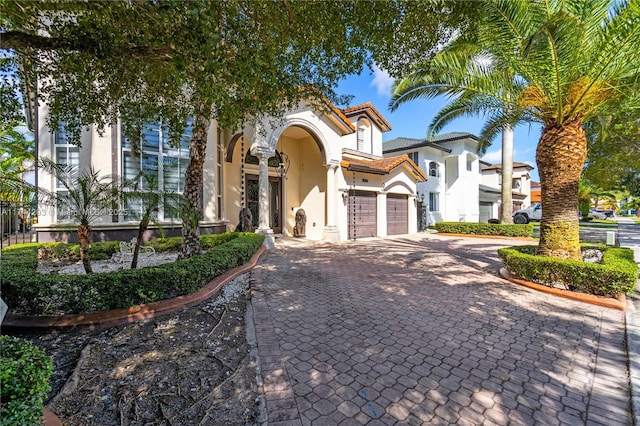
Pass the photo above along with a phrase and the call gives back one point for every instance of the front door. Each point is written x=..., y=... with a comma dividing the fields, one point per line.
x=275, y=201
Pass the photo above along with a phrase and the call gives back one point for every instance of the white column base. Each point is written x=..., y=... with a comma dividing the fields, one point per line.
x=269, y=238
x=331, y=234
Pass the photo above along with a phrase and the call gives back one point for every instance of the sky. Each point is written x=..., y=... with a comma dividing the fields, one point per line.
x=412, y=118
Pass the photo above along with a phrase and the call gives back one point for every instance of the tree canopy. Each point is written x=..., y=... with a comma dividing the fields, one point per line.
x=233, y=61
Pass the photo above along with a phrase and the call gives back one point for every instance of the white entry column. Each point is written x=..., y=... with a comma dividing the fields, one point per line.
x=263, y=198
x=331, y=231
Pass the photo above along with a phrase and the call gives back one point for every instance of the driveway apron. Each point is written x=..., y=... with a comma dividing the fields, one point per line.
x=420, y=330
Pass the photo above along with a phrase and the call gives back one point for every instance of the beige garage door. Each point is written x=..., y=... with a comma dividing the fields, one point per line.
x=397, y=214
x=362, y=214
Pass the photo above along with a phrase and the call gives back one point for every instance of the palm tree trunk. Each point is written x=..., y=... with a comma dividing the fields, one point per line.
x=560, y=156
x=144, y=224
x=84, y=238
x=193, y=189
x=507, y=175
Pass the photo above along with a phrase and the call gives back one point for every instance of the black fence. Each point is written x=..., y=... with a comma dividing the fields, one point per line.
x=16, y=221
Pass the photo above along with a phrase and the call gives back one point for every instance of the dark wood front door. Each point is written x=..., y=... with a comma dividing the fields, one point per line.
x=275, y=201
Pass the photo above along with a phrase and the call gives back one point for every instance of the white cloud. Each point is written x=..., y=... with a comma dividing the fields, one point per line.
x=493, y=156
x=382, y=81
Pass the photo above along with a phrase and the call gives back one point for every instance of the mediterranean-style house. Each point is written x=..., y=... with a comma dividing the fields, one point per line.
x=461, y=187
x=325, y=161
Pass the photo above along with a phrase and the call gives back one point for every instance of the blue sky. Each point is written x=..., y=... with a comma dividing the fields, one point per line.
x=412, y=119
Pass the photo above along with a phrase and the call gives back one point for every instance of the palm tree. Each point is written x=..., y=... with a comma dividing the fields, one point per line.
x=571, y=59
x=16, y=159
x=144, y=189
x=453, y=72
x=86, y=196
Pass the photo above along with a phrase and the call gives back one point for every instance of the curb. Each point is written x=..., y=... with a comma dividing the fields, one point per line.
x=607, y=302
x=114, y=317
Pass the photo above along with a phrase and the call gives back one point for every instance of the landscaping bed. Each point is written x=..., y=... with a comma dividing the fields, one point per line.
x=190, y=367
x=28, y=292
x=615, y=274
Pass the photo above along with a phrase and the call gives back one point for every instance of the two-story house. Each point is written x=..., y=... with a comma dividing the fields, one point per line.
x=520, y=185
x=450, y=160
x=326, y=161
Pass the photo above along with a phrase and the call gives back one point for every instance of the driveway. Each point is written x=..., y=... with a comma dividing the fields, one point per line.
x=420, y=330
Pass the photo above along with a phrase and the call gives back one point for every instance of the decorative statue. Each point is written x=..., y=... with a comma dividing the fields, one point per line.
x=301, y=222
x=245, y=219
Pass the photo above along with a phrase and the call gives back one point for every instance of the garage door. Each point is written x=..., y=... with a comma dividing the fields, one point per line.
x=486, y=209
x=397, y=214
x=362, y=215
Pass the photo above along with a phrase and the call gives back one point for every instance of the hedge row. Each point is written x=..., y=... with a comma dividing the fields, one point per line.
x=616, y=275
x=29, y=292
x=25, y=371
x=507, y=230
x=53, y=252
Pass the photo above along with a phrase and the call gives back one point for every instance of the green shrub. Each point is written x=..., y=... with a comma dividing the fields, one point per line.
x=24, y=381
x=53, y=252
x=616, y=275
x=27, y=291
x=507, y=230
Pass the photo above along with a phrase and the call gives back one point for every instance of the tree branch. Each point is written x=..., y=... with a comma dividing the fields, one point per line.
x=20, y=40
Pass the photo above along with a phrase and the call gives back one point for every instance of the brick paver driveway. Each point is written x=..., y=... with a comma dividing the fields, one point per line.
x=420, y=330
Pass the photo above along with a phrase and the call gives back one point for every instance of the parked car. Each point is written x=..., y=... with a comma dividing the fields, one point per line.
x=533, y=213
x=596, y=214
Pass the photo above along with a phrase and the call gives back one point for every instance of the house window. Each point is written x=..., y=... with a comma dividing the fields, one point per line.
x=433, y=202
x=361, y=138
x=414, y=157
x=470, y=160
x=516, y=183
x=433, y=169
x=163, y=162
x=68, y=155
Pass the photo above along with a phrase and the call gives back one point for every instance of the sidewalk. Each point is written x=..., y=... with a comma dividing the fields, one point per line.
x=629, y=236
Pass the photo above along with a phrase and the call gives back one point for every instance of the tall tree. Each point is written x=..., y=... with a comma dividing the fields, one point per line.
x=453, y=72
x=571, y=61
x=233, y=61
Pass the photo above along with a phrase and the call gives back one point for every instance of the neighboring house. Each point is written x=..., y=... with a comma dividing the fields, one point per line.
x=450, y=160
x=520, y=185
x=536, y=192
x=325, y=161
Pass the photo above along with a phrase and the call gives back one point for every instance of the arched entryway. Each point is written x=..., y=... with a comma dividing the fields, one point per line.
x=305, y=184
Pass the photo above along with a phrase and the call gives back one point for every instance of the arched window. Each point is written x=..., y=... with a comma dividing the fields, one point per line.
x=363, y=133
x=273, y=161
x=433, y=169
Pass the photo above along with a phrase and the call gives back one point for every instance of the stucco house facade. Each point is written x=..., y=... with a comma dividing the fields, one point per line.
x=326, y=161
x=461, y=187
x=521, y=183
x=450, y=160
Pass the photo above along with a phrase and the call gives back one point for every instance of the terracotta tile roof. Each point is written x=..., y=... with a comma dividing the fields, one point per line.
x=516, y=165
x=370, y=111
x=381, y=166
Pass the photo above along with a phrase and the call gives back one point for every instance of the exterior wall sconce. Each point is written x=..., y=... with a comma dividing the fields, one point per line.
x=345, y=196
x=419, y=199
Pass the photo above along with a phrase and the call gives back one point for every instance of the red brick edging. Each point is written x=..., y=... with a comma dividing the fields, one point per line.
x=607, y=302
x=114, y=317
